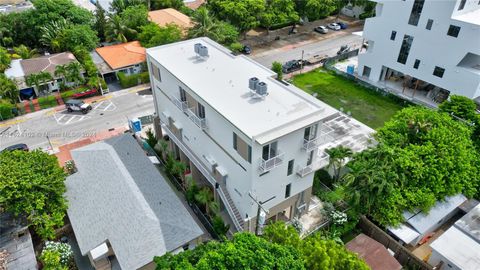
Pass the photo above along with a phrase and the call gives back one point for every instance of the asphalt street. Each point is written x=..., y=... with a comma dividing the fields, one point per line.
x=328, y=46
x=110, y=111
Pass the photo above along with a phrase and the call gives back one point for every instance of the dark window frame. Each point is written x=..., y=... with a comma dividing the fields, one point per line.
x=416, y=12
x=291, y=164
x=429, y=24
x=235, y=142
x=393, y=35
x=438, y=71
x=200, y=111
x=462, y=4
x=288, y=190
x=416, y=64
x=405, y=49
x=183, y=94
x=453, y=30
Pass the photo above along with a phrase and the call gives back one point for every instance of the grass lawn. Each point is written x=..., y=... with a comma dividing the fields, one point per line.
x=366, y=105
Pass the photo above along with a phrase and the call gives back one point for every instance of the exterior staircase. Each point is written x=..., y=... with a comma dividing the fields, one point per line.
x=229, y=200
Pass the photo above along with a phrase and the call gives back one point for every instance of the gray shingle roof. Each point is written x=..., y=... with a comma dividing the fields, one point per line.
x=118, y=195
x=46, y=63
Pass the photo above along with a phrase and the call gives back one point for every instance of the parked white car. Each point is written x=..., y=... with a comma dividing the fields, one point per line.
x=321, y=29
x=334, y=26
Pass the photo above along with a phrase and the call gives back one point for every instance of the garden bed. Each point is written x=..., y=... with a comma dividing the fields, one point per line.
x=365, y=105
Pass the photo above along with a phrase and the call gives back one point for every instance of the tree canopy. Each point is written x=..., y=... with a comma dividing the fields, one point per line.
x=8, y=89
x=422, y=157
x=152, y=35
x=242, y=14
x=244, y=251
x=32, y=185
x=208, y=26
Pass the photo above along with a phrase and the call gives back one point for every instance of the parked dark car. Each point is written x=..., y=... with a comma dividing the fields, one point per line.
x=246, y=49
x=20, y=146
x=85, y=94
x=291, y=66
x=343, y=49
x=342, y=25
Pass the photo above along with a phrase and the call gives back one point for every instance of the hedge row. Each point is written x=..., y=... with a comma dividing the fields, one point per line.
x=5, y=110
x=127, y=81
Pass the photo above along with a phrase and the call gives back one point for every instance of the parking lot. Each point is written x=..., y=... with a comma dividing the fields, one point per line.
x=64, y=117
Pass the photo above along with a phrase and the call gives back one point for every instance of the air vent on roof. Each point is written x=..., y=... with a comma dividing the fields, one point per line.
x=261, y=89
x=252, y=83
x=200, y=49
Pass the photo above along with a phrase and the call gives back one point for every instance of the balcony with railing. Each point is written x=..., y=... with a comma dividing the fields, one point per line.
x=200, y=122
x=324, y=137
x=182, y=105
x=272, y=162
x=318, y=163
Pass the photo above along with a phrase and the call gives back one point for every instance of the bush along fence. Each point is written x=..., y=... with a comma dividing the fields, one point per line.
x=403, y=255
x=199, y=199
x=127, y=81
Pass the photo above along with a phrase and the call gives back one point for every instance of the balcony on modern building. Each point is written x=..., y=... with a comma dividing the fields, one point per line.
x=324, y=137
x=182, y=105
x=199, y=121
x=318, y=163
x=272, y=162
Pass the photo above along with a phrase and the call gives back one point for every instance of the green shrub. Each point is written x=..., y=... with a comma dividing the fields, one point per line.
x=127, y=81
x=219, y=226
x=144, y=77
x=5, y=110
x=236, y=47
x=47, y=102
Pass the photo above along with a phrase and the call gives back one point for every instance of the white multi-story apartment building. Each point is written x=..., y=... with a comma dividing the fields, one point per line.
x=431, y=46
x=242, y=132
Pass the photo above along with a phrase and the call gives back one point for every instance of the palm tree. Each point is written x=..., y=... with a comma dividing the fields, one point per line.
x=117, y=30
x=338, y=155
x=50, y=33
x=38, y=79
x=205, y=24
x=203, y=197
x=74, y=74
x=24, y=52
x=5, y=59
x=8, y=89
x=61, y=71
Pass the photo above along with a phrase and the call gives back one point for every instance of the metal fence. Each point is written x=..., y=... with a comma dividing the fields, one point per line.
x=403, y=255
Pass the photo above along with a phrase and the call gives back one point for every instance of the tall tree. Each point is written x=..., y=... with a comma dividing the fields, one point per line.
x=161, y=4
x=315, y=9
x=152, y=35
x=50, y=33
x=100, y=21
x=8, y=89
x=118, y=6
x=134, y=17
x=32, y=185
x=38, y=79
x=5, y=59
x=78, y=35
x=74, y=72
x=205, y=25
x=337, y=158
x=117, y=30
x=278, y=12
x=242, y=14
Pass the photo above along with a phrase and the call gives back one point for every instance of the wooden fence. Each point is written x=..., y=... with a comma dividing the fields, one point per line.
x=403, y=255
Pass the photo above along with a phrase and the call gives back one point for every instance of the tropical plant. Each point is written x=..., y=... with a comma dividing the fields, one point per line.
x=51, y=260
x=337, y=158
x=219, y=226
x=152, y=35
x=278, y=68
x=64, y=249
x=242, y=14
x=74, y=72
x=50, y=33
x=151, y=140
x=117, y=30
x=100, y=21
x=204, y=197
x=32, y=184
x=5, y=59
x=77, y=35
x=278, y=12
x=61, y=71
x=205, y=25
x=24, y=52
x=118, y=6
x=8, y=89
x=135, y=17
x=38, y=79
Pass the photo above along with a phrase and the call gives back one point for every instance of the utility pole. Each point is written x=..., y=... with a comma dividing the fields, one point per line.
x=301, y=63
x=260, y=208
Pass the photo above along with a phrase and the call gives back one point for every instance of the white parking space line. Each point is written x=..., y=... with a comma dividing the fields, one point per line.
x=98, y=105
x=108, y=106
x=70, y=120
x=60, y=118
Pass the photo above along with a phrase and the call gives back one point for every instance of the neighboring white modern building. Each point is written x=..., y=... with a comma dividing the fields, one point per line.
x=244, y=143
x=458, y=248
x=430, y=46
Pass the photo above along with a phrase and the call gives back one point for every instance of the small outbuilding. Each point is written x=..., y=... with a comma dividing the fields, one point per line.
x=373, y=253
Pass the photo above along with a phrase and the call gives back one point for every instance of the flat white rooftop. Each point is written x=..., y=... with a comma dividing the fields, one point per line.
x=472, y=17
x=221, y=80
x=458, y=248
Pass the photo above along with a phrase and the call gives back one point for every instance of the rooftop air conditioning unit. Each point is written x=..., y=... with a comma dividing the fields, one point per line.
x=196, y=47
x=203, y=51
x=252, y=83
x=261, y=89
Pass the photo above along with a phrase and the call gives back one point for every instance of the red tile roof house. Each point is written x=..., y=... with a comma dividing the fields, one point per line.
x=22, y=68
x=125, y=57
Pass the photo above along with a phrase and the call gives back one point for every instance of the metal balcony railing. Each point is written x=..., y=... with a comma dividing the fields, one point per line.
x=182, y=105
x=324, y=137
x=267, y=165
x=318, y=163
x=200, y=122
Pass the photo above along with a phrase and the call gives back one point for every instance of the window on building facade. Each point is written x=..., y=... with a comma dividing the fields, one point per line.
x=416, y=12
x=287, y=190
x=405, y=49
x=429, y=24
x=242, y=148
x=310, y=132
x=366, y=71
x=393, y=35
x=200, y=110
x=183, y=94
x=453, y=30
x=290, y=167
x=438, y=71
x=156, y=73
x=269, y=151
x=416, y=64
x=462, y=4
x=310, y=158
